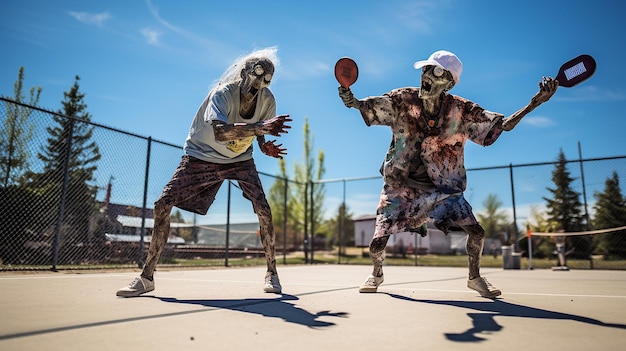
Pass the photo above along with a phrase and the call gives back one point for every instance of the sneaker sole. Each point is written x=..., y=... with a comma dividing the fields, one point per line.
x=368, y=289
x=272, y=290
x=489, y=296
x=132, y=293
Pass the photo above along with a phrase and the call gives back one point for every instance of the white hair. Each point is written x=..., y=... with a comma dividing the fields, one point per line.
x=233, y=73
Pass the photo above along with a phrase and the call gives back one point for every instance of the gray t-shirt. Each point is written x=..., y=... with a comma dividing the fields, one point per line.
x=222, y=104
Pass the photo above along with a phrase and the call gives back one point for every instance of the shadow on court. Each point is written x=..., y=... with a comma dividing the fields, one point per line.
x=225, y=309
x=275, y=308
x=484, y=322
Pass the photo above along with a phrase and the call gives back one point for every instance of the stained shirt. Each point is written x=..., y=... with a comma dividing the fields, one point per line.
x=429, y=152
x=223, y=104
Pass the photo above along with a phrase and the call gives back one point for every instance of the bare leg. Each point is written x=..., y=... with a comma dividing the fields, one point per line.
x=474, y=247
x=252, y=188
x=160, y=233
x=253, y=191
x=267, y=236
x=377, y=254
x=475, y=242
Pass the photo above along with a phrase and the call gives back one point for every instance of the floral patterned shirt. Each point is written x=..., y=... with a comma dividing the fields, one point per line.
x=428, y=152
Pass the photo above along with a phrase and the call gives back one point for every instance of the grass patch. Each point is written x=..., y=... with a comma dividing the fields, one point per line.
x=352, y=256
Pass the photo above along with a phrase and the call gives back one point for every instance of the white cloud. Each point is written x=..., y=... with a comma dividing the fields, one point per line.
x=155, y=13
x=215, y=49
x=591, y=93
x=91, y=18
x=421, y=16
x=538, y=121
x=304, y=67
x=152, y=36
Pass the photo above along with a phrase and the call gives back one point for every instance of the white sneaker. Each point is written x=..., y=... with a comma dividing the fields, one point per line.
x=371, y=284
x=138, y=286
x=485, y=288
x=272, y=284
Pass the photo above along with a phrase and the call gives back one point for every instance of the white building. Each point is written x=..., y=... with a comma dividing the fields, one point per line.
x=436, y=242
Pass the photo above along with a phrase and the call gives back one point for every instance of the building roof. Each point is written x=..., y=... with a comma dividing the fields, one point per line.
x=126, y=238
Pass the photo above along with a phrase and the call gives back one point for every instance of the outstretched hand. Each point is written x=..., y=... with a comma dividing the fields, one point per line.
x=271, y=149
x=547, y=88
x=276, y=126
x=348, y=98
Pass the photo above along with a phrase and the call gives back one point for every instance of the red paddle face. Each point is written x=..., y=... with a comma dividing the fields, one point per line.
x=575, y=71
x=346, y=72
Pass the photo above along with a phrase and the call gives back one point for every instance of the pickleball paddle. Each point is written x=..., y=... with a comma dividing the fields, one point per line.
x=346, y=72
x=575, y=71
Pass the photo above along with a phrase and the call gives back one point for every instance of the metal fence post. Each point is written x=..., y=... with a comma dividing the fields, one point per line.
x=226, y=245
x=516, y=233
x=143, y=211
x=305, y=244
x=582, y=178
x=285, y=195
x=312, y=235
x=66, y=179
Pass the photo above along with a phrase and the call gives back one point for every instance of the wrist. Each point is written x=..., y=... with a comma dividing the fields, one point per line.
x=258, y=129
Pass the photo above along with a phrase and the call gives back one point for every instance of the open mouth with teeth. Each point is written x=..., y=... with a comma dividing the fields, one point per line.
x=426, y=86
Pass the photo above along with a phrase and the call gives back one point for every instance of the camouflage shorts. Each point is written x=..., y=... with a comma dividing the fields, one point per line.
x=404, y=209
x=195, y=184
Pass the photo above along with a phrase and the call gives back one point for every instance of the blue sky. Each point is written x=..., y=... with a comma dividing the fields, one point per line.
x=145, y=66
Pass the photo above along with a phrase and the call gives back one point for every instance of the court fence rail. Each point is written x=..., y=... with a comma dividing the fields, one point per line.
x=66, y=206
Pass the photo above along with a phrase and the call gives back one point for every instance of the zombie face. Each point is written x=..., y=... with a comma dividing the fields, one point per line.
x=435, y=80
x=256, y=75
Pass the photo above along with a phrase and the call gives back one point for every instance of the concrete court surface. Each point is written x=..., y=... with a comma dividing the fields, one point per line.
x=427, y=308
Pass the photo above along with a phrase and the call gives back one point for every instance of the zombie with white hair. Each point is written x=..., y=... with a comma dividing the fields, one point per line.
x=424, y=173
x=240, y=108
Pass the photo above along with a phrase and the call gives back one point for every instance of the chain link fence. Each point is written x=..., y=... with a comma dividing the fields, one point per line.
x=56, y=214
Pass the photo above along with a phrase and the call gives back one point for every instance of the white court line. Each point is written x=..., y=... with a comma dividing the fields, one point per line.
x=64, y=276
x=383, y=288
x=514, y=293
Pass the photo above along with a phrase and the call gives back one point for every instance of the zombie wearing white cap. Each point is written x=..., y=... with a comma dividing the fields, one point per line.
x=423, y=171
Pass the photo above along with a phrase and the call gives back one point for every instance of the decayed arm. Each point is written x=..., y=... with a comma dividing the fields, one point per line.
x=226, y=132
x=270, y=148
x=274, y=126
x=547, y=88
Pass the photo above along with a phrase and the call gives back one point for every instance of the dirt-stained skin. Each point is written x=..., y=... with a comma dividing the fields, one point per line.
x=423, y=171
x=195, y=183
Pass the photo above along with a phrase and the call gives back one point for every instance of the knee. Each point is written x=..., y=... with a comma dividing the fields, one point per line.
x=378, y=244
x=162, y=207
x=476, y=231
x=263, y=210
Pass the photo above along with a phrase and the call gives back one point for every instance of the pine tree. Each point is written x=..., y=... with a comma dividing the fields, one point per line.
x=564, y=209
x=83, y=153
x=69, y=159
x=610, y=212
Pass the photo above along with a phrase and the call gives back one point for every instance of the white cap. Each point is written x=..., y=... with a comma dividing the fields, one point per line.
x=445, y=60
